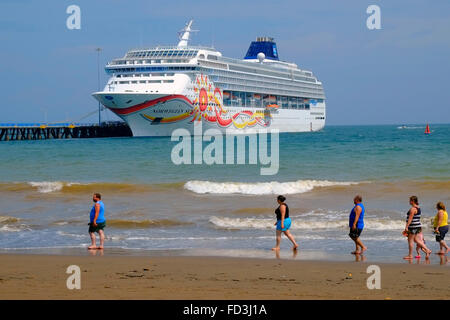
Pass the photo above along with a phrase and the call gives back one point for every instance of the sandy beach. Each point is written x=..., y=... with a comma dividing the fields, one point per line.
x=38, y=276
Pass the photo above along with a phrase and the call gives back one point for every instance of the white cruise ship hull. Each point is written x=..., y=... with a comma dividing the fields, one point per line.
x=161, y=114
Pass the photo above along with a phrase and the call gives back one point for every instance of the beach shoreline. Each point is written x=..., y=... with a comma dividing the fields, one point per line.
x=308, y=255
x=43, y=276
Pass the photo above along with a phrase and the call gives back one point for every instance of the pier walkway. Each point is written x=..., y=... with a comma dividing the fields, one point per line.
x=42, y=131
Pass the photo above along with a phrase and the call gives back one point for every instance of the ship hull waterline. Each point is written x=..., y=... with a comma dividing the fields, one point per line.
x=161, y=114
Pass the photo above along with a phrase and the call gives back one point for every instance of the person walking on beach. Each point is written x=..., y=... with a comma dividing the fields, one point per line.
x=420, y=237
x=440, y=225
x=414, y=227
x=97, y=221
x=283, y=223
x=356, y=224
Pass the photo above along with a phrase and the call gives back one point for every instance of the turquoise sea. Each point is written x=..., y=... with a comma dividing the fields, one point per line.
x=46, y=193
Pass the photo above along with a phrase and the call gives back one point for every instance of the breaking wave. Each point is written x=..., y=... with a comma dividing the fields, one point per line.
x=299, y=224
x=88, y=187
x=121, y=223
x=7, y=219
x=260, y=188
x=49, y=186
x=14, y=228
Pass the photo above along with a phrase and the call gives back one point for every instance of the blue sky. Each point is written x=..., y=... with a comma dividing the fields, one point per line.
x=399, y=74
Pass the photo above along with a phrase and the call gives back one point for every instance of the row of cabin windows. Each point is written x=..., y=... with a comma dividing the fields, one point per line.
x=162, y=53
x=285, y=74
x=110, y=70
x=260, y=81
x=154, y=61
x=142, y=81
x=137, y=75
x=250, y=99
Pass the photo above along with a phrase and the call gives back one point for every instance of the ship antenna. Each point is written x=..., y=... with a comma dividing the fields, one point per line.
x=184, y=34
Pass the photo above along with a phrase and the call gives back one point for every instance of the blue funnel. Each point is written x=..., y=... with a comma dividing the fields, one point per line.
x=265, y=45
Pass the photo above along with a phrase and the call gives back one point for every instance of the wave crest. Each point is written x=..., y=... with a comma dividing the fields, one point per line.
x=7, y=219
x=87, y=187
x=48, y=186
x=122, y=223
x=299, y=224
x=260, y=188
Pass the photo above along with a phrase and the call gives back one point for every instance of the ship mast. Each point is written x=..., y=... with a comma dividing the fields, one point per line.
x=185, y=33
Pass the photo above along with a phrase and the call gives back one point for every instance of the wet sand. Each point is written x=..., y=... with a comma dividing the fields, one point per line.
x=39, y=276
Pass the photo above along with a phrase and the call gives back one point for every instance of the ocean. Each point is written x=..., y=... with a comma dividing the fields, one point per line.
x=155, y=205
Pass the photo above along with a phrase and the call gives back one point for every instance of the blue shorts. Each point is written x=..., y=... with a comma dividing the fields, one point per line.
x=442, y=232
x=287, y=224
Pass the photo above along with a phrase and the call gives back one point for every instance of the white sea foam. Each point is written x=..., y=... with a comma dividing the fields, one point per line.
x=61, y=223
x=14, y=228
x=180, y=238
x=7, y=219
x=299, y=224
x=50, y=186
x=299, y=235
x=62, y=233
x=260, y=188
x=406, y=127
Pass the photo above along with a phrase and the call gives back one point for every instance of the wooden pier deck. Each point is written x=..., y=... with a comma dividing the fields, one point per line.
x=36, y=131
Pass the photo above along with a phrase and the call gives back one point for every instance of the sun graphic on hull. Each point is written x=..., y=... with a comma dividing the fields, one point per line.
x=208, y=106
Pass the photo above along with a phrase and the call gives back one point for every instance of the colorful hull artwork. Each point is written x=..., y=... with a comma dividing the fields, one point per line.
x=207, y=106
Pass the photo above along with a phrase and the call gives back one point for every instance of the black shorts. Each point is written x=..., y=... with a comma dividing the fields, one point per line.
x=355, y=233
x=415, y=230
x=442, y=232
x=96, y=228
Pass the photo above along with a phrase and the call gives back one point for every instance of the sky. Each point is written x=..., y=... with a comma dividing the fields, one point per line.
x=398, y=74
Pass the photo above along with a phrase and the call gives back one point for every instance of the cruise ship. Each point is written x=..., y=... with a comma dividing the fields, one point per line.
x=161, y=89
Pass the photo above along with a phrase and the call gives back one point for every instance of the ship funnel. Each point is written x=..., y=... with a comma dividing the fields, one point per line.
x=185, y=33
x=265, y=45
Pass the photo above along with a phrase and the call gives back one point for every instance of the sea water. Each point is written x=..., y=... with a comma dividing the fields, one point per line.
x=152, y=204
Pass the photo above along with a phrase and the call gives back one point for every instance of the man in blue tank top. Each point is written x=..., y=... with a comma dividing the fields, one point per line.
x=356, y=224
x=97, y=221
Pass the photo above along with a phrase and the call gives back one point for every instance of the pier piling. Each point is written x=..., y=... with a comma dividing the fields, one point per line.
x=15, y=132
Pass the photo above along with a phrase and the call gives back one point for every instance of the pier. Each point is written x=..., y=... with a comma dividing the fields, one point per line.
x=40, y=131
